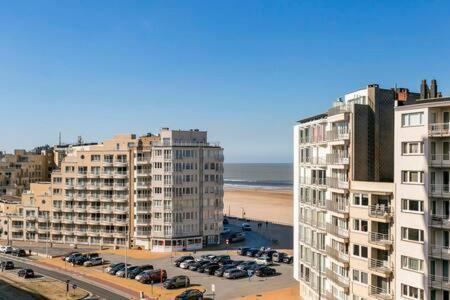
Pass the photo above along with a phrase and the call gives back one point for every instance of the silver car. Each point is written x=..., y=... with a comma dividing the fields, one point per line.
x=96, y=261
x=121, y=273
x=185, y=264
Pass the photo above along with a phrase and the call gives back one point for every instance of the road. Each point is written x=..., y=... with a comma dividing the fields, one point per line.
x=95, y=289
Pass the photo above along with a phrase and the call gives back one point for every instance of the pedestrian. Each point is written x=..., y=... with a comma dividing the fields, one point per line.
x=267, y=224
x=3, y=267
x=29, y=252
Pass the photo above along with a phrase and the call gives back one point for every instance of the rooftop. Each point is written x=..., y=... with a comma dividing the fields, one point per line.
x=313, y=118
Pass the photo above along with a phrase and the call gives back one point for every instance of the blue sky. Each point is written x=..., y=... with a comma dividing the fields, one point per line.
x=243, y=70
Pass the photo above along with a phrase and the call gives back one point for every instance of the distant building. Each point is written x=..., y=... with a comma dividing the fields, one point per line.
x=162, y=193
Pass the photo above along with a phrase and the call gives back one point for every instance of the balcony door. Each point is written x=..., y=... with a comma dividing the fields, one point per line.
x=446, y=239
x=446, y=119
x=445, y=268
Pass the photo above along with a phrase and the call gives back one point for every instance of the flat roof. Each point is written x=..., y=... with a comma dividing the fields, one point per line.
x=313, y=118
x=425, y=101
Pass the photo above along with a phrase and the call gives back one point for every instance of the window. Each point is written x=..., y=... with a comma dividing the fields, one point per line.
x=410, y=205
x=412, y=292
x=360, y=251
x=360, y=199
x=412, y=234
x=415, y=177
x=95, y=157
x=360, y=276
x=360, y=225
x=413, y=264
x=412, y=148
x=412, y=119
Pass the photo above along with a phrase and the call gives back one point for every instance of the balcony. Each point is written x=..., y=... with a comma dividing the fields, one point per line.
x=439, y=160
x=106, y=210
x=106, y=175
x=439, y=190
x=440, y=221
x=120, y=222
x=380, y=239
x=320, y=182
x=106, y=187
x=120, y=211
x=120, y=163
x=440, y=251
x=381, y=266
x=92, y=186
x=338, y=255
x=119, y=234
x=120, y=175
x=337, y=206
x=143, y=222
x=340, y=280
x=94, y=175
x=68, y=197
x=338, y=135
x=380, y=293
x=67, y=209
x=106, y=234
x=143, y=234
x=120, y=199
x=106, y=199
x=439, y=282
x=337, y=231
x=80, y=186
x=439, y=130
x=120, y=187
x=91, y=221
x=79, y=221
x=67, y=220
x=337, y=159
x=380, y=211
x=337, y=183
x=143, y=185
x=79, y=209
x=81, y=175
x=314, y=160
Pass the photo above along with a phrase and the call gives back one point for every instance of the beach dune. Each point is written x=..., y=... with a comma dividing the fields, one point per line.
x=262, y=204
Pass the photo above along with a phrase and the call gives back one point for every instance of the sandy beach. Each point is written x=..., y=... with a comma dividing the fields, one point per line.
x=262, y=204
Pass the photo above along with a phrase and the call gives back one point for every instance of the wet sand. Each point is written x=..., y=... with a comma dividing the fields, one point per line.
x=262, y=204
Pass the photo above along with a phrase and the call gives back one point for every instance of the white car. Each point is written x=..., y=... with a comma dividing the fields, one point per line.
x=96, y=261
x=6, y=249
x=185, y=264
x=263, y=260
x=246, y=227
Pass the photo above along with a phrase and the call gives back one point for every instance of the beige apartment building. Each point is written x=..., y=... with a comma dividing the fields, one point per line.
x=344, y=198
x=162, y=192
x=21, y=168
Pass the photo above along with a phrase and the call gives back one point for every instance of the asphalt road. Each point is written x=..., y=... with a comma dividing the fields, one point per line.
x=99, y=292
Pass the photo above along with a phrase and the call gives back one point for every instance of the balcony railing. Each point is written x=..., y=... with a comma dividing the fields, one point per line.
x=439, y=129
x=338, y=135
x=440, y=251
x=337, y=206
x=380, y=238
x=439, y=160
x=441, y=221
x=438, y=281
x=439, y=190
x=313, y=181
x=380, y=292
x=337, y=159
x=337, y=183
x=382, y=266
x=314, y=160
x=337, y=231
x=338, y=279
x=381, y=211
x=313, y=139
x=338, y=255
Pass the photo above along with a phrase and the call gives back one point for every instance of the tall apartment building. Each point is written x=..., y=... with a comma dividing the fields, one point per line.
x=21, y=168
x=422, y=168
x=161, y=192
x=344, y=198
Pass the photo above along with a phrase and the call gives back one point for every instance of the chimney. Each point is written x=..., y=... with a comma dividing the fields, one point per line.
x=433, y=89
x=401, y=94
x=424, y=92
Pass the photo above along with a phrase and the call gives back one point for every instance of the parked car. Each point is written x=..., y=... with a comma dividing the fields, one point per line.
x=79, y=260
x=225, y=221
x=26, y=273
x=242, y=251
x=133, y=273
x=246, y=265
x=121, y=273
x=288, y=259
x=210, y=269
x=265, y=271
x=152, y=275
x=111, y=266
x=194, y=267
x=92, y=255
x=185, y=264
x=72, y=257
x=252, y=252
x=221, y=258
x=181, y=259
x=202, y=269
x=246, y=227
x=7, y=265
x=118, y=268
x=263, y=260
x=19, y=253
x=278, y=256
x=205, y=257
x=226, y=231
x=96, y=261
x=6, y=249
x=234, y=273
x=191, y=294
x=65, y=257
x=219, y=272
x=177, y=282
x=235, y=238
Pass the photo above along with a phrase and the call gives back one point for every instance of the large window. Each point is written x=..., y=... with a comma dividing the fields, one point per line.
x=412, y=177
x=409, y=205
x=412, y=148
x=412, y=292
x=413, y=264
x=412, y=119
x=360, y=276
x=360, y=251
x=412, y=234
x=360, y=225
x=360, y=200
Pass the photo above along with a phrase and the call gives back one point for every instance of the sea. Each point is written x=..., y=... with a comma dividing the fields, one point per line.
x=258, y=175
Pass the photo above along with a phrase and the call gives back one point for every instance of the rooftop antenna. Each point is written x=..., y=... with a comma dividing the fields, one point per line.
x=59, y=138
x=79, y=140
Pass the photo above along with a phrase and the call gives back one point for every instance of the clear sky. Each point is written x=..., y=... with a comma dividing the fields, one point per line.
x=243, y=70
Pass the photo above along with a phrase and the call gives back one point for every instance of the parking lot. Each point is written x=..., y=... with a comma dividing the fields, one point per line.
x=225, y=288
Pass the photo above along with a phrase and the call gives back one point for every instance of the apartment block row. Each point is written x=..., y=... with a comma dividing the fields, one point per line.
x=161, y=192
x=371, y=197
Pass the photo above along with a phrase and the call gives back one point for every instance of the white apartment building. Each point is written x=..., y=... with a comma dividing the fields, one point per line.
x=158, y=192
x=344, y=198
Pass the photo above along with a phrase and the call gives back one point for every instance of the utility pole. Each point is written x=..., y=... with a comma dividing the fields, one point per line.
x=126, y=249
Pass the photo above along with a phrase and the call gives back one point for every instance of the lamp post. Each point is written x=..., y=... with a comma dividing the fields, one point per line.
x=126, y=249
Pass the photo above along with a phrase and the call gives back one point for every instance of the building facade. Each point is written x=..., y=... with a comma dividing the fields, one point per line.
x=344, y=198
x=162, y=192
